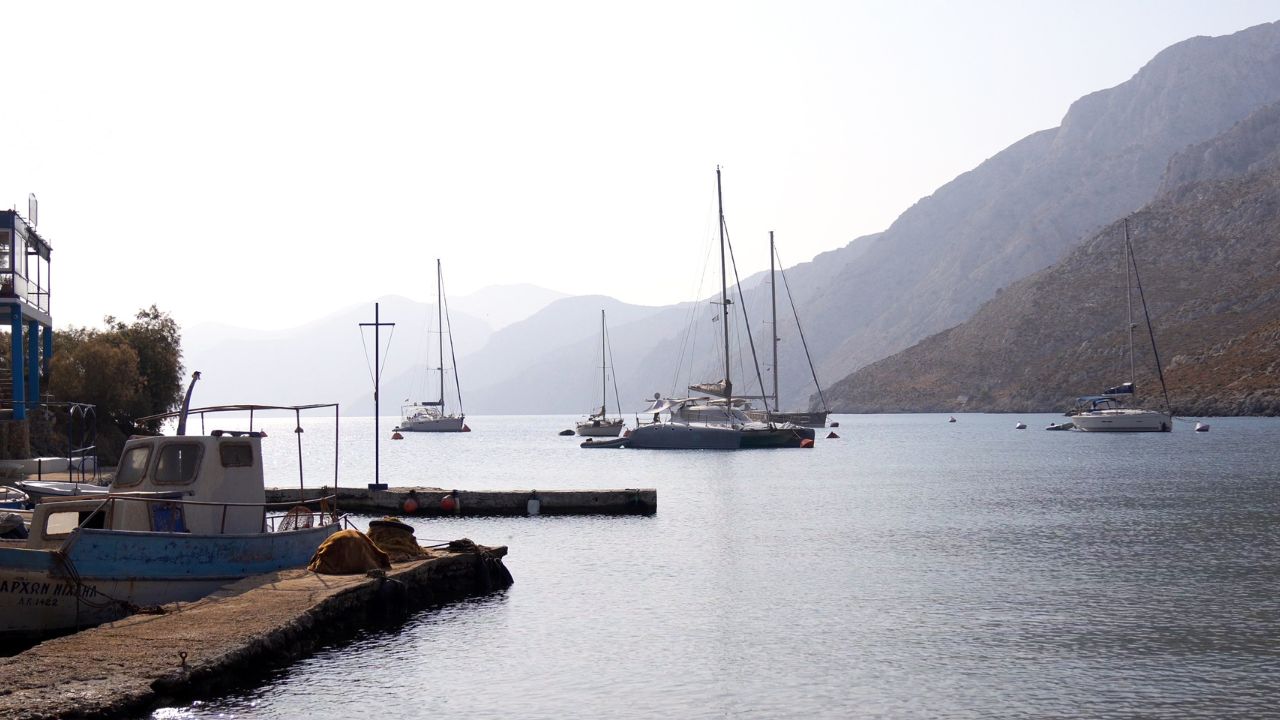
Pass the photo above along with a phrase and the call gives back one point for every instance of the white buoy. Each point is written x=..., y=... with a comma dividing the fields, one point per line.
x=1020, y=426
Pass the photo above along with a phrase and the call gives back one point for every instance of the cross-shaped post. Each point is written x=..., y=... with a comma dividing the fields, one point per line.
x=377, y=326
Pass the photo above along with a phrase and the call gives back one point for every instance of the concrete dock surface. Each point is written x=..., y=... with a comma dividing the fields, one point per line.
x=429, y=501
x=129, y=666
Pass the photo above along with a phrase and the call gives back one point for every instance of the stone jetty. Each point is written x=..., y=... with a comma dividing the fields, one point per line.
x=404, y=501
x=192, y=649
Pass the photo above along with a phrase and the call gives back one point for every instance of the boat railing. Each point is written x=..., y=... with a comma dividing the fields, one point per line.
x=167, y=514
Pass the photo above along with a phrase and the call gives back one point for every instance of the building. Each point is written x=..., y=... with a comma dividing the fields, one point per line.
x=24, y=297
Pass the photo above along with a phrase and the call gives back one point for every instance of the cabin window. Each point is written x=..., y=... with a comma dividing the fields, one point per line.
x=61, y=523
x=236, y=454
x=133, y=466
x=178, y=464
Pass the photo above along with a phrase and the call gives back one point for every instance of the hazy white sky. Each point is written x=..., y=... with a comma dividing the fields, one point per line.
x=262, y=164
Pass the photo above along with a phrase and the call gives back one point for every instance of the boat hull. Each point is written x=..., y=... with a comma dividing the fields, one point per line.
x=606, y=428
x=790, y=436
x=444, y=424
x=1123, y=420
x=107, y=574
x=38, y=490
x=816, y=419
x=678, y=436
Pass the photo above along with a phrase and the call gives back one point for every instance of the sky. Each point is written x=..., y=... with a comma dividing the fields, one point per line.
x=264, y=164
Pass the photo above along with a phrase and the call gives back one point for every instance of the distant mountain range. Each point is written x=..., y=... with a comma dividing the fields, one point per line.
x=1210, y=267
x=998, y=277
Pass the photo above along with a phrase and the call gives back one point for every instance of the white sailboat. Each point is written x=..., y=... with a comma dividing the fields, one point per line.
x=431, y=415
x=1107, y=412
x=599, y=424
x=714, y=423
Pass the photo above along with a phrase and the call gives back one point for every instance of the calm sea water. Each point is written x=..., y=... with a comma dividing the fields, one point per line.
x=912, y=568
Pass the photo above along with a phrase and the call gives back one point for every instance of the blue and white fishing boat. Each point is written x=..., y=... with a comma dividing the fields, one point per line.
x=185, y=515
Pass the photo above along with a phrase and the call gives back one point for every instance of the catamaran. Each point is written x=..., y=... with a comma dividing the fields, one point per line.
x=714, y=421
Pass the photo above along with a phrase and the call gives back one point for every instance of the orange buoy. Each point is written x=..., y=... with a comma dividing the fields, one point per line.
x=806, y=443
x=396, y=436
x=448, y=503
x=410, y=505
x=832, y=435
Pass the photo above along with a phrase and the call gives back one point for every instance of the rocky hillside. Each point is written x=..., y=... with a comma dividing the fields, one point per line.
x=1210, y=268
x=1024, y=208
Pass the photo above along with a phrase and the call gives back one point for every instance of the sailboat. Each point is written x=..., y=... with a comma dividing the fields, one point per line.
x=814, y=418
x=431, y=415
x=599, y=424
x=714, y=421
x=1106, y=412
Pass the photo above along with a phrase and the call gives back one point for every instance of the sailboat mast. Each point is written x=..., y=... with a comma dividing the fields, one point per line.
x=604, y=378
x=1128, y=298
x=440, y=326
x=773, y=303
x=724, y=295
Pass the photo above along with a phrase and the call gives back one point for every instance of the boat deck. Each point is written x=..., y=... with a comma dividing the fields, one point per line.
x=124, y=668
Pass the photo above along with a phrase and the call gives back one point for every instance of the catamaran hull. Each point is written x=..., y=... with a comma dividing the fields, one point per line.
x=778, y=437
x=1123, y=421
x=447, y=424
x=674, y=436
x=108, y=573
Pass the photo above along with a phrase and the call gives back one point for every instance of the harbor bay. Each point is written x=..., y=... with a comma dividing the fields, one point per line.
x=909, y=568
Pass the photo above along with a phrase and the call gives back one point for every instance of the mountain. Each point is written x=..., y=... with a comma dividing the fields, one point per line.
x=502, y=305
x=1210, y=270
x=326, y=360
x=1023, y=209
x=549, y=362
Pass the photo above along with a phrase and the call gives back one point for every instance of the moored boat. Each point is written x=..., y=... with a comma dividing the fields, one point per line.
x=432, y=415
x=599, y=424
x=184, y=515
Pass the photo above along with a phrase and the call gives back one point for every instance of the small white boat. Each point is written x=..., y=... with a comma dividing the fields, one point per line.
x=1020, y=426
x=41, y=490
x=1202, y=427
x=431, y=416
x=12, y=498
x=599, y=424
x=1061, y=426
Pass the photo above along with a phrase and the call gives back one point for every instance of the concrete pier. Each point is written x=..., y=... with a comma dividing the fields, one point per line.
x=125, y=668
x=441, y=502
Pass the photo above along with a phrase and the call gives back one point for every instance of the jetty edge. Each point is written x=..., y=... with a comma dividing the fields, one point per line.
x=430, y=501
x=195, y=649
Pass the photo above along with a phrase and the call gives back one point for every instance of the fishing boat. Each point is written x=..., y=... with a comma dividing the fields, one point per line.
x=714, y=421
x=431, y=415
x=185, y=515
x=599, y=424
x=1109, y=411
x=807, y=418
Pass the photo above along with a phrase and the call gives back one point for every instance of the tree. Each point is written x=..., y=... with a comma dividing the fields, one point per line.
x=128, y=370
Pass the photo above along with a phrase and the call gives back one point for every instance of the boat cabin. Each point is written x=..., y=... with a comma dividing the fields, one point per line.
x=223, y=469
